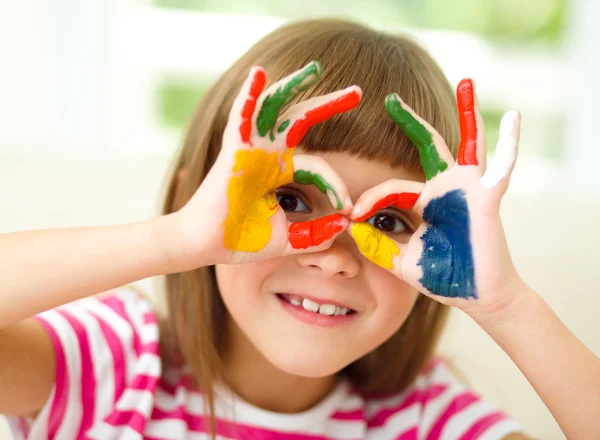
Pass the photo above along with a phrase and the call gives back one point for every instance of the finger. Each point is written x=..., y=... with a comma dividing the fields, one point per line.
x=282, y=92
x=377, y=247
x=242, y=110
x=433, y=152
x=314, y=170
x=315, y=235
x=472, y=150
x=296, y=122
x=507, y=148
x=403, y=194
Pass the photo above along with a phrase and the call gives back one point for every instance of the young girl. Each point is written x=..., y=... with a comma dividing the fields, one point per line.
x=355, y=238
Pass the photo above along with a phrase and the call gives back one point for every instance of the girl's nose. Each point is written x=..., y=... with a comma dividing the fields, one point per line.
x=341, y=258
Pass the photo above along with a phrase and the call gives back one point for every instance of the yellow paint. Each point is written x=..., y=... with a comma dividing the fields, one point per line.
x=374, y=244
x=256, y=174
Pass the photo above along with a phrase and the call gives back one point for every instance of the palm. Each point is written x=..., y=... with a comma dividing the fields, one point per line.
x=235, y=210
x=459, y=252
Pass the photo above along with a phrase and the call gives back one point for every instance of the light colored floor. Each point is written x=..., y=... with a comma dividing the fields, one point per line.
x=553, y=240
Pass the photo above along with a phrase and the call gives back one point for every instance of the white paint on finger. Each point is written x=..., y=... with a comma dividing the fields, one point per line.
x=506, y=150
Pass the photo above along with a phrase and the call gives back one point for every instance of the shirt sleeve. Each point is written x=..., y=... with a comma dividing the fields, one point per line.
x=453, y=411
x=98, y=343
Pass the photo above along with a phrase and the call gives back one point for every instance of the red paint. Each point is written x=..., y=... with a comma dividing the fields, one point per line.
x=404, y=201
x=256, y=88
x=465, y=97
x=315, y=232
x=320, y=114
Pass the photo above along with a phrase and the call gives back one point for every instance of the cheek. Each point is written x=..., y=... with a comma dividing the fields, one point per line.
x=241, y=285
x=393, y=298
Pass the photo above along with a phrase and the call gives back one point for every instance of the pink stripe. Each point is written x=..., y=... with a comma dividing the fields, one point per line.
x=133, y=419
x=143, y=382
x=118, y=355
x=117, y=305
x=61, y=381
x=482, y=425
x=149, y=318
x=88, y=379
x=358, y=414
x=459, y=403
x=416, y=397
x=411, y=434
x=151, y=347
x=228, y=429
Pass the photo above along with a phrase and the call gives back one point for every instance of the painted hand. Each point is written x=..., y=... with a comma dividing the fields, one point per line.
x=458, y=255
x=234, y=216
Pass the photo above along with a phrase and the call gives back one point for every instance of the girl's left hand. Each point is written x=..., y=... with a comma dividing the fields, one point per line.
x=458, y=255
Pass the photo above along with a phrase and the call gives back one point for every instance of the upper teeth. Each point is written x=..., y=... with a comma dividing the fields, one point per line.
x=324, y=309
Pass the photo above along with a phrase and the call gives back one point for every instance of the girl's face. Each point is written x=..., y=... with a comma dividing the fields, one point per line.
x=257, y=295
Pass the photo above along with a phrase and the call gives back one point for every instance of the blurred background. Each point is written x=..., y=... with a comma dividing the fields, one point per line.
x=95, y=95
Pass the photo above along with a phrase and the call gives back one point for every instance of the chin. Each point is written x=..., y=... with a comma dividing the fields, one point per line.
x=307, y=363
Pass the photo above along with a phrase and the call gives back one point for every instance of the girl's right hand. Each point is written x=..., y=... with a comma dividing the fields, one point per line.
x=234, y=216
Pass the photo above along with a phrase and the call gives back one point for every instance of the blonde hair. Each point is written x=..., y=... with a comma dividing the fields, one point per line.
x=193, y=329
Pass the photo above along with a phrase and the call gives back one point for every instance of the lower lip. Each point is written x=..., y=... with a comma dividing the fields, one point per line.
x=316, y=318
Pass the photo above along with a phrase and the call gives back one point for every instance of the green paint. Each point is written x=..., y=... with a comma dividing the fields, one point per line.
x=271, y=136
x=283, y=126
x=415, y=131
x=303, y=177
x=267, y=116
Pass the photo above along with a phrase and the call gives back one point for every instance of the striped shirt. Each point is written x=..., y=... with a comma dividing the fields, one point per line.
x=110, y=385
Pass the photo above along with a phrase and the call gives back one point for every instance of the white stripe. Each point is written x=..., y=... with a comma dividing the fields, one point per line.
x=149, y=364
x=374, y=406
x=459, y=423
x=136, y=400
x=345, y=429
x=102, y=362
x=351, y=403
x=396, y=424
x=501, y=429
x=434, y=407
x=105, y=431
x=136, y=308
x=122, y=330
x=167, y=428
x=70, y=344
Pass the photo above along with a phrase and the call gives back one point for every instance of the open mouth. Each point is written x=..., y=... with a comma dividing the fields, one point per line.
x=312, y=306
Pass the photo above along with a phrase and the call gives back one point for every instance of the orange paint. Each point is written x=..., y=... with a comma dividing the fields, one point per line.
x=320, y=114
x=315, y=232
x=256, y=173
x=404, y=201
x=465, y=98
x=256, y=88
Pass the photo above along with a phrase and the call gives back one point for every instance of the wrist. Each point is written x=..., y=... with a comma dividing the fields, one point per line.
x=180, y=253
x=523, y=300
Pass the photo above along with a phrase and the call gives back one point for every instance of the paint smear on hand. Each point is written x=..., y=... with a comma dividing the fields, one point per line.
x=374, y=245
x=465, y=98
x=416, y=132
x=313, y=233
x=404, y=201
x=447, y=259
x=255, y=173
x=303, y=177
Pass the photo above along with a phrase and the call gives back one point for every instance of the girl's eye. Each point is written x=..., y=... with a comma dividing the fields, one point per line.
x=388, y=222
x=291, y=203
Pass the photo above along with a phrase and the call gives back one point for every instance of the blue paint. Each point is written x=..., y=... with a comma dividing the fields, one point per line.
x=447, y=259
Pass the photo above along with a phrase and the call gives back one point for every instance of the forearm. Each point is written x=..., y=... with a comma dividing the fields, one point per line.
x=42, y=269
x=563, y=371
